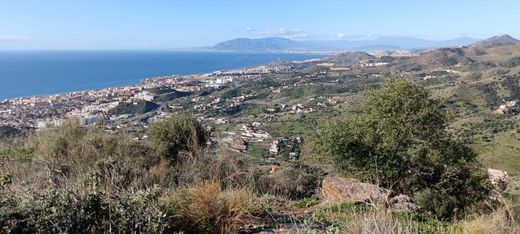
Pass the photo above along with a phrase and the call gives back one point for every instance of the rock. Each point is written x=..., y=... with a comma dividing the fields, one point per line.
x=239, y=145
x=498, y=178
x=337, y=189
x=275, y=168
x=403, y=203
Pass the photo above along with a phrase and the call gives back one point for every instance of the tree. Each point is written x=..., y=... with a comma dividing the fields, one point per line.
x=400, y=142
x=182, y=132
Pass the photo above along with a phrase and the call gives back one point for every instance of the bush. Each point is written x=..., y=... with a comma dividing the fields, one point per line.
x=181, y=132
x=8, y=131
x=63, y=211
x=400, y=142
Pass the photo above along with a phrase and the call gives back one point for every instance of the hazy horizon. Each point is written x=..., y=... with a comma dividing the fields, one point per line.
x=105, y=25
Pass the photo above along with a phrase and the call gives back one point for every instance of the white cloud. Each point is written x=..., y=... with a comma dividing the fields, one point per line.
x=285, y=32
x=248, y=30
x=340, y=35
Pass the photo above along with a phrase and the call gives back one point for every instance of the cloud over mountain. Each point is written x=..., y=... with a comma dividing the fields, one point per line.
x=285, y=32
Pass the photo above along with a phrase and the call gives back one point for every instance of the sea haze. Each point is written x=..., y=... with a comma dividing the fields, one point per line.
x=24, y=73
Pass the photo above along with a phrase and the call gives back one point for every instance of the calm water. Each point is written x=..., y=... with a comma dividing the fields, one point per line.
x=41, y=73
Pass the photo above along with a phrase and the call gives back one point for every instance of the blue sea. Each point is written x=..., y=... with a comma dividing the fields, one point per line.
x=24, y=73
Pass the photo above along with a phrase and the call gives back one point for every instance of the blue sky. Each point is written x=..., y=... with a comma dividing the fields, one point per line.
x=163, y=24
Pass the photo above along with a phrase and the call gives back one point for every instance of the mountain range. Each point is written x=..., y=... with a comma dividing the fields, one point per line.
x=278, y=44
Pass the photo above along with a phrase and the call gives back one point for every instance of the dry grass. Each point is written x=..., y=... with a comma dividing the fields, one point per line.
x=350, y=218
x=209, y=208
x=498, y=222
x=66, y=157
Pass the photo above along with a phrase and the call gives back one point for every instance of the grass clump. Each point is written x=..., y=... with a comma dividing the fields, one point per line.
x=207, y=208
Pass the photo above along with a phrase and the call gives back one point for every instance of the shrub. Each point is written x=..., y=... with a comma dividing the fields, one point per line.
x=8, y=131
x=400, y=142
x=181, y=132
x=63, y=211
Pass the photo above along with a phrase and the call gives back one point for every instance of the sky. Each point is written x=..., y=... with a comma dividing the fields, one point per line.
x=173, y=24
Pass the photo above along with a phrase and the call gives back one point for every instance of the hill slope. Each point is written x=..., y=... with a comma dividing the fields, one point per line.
x=499, y=41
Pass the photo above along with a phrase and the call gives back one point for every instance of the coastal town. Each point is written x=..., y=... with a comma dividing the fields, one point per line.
x=93, y=106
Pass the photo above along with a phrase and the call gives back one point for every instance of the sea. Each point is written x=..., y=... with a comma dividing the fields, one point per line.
x=34, y=73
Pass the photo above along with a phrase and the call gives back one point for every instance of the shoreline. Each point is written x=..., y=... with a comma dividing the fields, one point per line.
x=135, y=85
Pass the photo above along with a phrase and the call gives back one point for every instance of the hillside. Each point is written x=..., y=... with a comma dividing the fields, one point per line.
x=498, y=41
x=440, y=58
x=133, y=108
x=350, y=58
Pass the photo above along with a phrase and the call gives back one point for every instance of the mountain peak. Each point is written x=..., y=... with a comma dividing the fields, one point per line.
x=499, y=40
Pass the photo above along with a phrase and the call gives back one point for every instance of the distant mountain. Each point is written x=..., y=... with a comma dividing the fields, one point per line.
x=349, y=58
x=263, y=44
x=498, y=41
x=277, y=44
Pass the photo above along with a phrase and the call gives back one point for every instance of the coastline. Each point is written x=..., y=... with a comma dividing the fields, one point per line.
x=95, y=105
x=97, y=70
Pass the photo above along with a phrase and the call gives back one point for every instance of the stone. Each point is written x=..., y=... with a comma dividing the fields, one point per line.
x=275, y=168
x=337, y=189
x=403, y=203
x=498, y=178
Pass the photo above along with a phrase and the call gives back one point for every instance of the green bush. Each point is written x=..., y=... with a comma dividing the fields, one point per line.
x=400, y=142
x=181, y=132
x=63, y=211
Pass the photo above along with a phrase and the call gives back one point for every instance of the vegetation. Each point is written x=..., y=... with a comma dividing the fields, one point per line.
x=76, y=179
x=8, y=132
x=207, y=208
x=400, y=142
x=84, y=180
x=139, y=107
x=179, y=133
